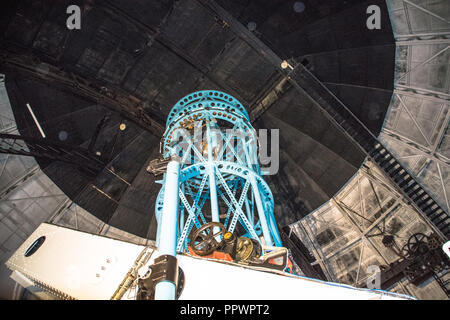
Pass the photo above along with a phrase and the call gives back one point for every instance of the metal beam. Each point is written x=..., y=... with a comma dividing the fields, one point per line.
x=242, y=32
x=44, y=148
x=426, y=11
x=269, y=98
x=421, y=150
x=116, y=99
x=338, y=113
x=423, y=35
x=157, y=37
x=24, y=177
x=421, y=94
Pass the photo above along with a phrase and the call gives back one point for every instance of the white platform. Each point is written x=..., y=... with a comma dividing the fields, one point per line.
x=85, y=266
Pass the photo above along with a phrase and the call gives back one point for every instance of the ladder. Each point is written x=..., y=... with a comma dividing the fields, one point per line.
x=353, y=128
x=304, y=81
x=443, y=283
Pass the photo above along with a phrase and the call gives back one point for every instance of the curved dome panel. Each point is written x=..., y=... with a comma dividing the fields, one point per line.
x=145, y=56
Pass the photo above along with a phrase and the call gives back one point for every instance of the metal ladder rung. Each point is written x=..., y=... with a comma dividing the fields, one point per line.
x=413, y=188
x=387, y=161
x=429, y=209
x=405, y=183
x=383, y=152
x=415, y=192
x=394, y=170
x=443, y=223
x=437, y=221
x=352, y=132
x=399, y=176
x=376, y=149
x=423, y=202
x=416, y=197
x=446, y=226
x=437, y=213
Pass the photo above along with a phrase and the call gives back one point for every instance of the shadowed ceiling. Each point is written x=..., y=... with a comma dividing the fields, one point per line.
x=132, y=60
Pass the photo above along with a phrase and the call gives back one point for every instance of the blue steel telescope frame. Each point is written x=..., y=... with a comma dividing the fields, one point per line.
x=209, y=134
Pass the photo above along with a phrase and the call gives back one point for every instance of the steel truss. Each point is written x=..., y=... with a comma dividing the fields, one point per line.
x=43, y=148
x=210, y=134
x=304, y=81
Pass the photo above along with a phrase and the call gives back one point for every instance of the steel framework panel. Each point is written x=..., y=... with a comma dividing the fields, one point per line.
x=210, y=134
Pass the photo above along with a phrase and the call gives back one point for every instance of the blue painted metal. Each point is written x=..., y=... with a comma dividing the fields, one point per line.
x=168, y=227
x=210, y=134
